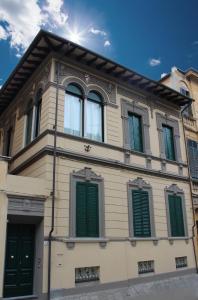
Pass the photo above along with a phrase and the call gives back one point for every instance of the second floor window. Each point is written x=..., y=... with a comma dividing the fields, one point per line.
x=135, y=132
x=37, y=113
x=29, y=115
x=176, y=216
x=169, y=142
x=83, y=116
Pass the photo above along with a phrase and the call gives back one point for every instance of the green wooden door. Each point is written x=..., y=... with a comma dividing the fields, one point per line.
x=18, y=278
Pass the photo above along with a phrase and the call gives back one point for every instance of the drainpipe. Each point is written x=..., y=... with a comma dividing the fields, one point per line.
x=53, y=186
x=191, y=190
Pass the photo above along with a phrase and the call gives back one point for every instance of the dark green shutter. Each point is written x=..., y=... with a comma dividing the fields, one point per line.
x=135, y=132
x=92, y=211
x=169, y=142
x=87, y=212
x=176, y=215
x=193, y=158
x=141, y=214
x=81, y=220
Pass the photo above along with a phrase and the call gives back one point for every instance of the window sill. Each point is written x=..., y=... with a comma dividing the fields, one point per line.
x=144, y=239
x=72, y=241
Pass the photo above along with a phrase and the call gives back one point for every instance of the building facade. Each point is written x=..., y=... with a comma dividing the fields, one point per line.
x=104, y=196
x=187, y=84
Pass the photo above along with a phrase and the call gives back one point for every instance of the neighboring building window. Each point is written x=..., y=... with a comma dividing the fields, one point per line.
x=188, y=111
x=177, y=226
x=38, y=113
x=135, y=127
x=169, y=142
x=73, y=110
x=169, y=138
x=87, y=214
x=135, y=132
x=184, y=92
x=8, y=142
x=86, y=205
x=88, y=112
x=193, y=158
x=94, y=117
x=141, y=217
x=29, y=120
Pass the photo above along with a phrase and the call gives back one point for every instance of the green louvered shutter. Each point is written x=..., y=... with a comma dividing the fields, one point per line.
x=141, y=214
x=169, y=142
x=81, y=214
x=176, y=215
x=92, y=211
x=135, y=132
x=87, y=210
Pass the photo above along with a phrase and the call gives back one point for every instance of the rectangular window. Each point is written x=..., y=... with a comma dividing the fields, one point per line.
x=176, y=216
x=29, y=126
x=181, y=262
x=87, y=212
x=135, y=132
x=93, y=121
x=72, y=115
x=86, y=274
x=193, y=158
x=141, y=214
x=169, y=142
x=145, y=267
x=8, y=145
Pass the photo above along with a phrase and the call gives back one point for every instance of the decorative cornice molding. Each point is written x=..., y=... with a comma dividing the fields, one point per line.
x=173, y=188
x=87, y=174
x=139, y=183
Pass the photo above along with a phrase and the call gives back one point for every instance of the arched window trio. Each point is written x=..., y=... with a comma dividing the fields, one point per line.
x=83, y=116
x=33, y=117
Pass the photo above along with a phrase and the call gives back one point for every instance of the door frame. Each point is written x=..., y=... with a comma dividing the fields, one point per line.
x=29, y=210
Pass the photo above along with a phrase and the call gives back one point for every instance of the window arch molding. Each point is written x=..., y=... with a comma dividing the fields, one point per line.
x=100, y=91
x=75, y=81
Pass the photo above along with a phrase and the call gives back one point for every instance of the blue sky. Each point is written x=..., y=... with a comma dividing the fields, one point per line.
x=148, y=36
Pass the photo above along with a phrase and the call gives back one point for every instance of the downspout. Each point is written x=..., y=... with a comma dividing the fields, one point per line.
x=53, y=186
x=191, y=190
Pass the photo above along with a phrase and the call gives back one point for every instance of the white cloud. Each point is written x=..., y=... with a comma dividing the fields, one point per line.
x=107, y=43
x=3, y=33
x=195, y=43
x=153, y=62
x=97, y=31
x=20, y=21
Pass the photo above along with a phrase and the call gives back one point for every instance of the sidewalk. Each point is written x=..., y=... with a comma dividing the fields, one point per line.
x=177, y=288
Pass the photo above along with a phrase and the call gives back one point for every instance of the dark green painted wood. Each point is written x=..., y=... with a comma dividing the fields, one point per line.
x=193, y=158
x=87, y=210
x=135, y=132
x=176, y=216
x=169, y=142
x=18, y=278
x=141, y=214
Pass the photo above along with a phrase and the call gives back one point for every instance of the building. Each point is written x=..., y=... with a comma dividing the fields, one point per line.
x=187, y=84
x=95, y=189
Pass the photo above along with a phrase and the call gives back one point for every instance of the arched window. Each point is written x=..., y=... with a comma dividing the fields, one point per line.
x=37, y=113
x=73, y=110
x=94, y=116
x=83, y=116
x=29, y=116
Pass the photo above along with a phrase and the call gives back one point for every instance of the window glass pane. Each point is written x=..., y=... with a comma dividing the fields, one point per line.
x=72, y=114
x=29, y=126
x=169, y=142
x=94, y=97
x=141, y=214
x=135, y=132
x=74, y=89
x=176, y=215
x=37, y=118
x=93, y=121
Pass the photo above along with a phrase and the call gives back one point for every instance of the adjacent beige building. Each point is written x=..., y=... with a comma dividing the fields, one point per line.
x=97, y=190
x=187, y=83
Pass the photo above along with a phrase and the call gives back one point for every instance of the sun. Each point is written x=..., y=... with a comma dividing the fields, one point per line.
x=76, y=36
